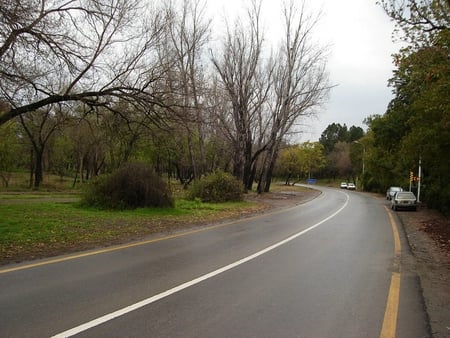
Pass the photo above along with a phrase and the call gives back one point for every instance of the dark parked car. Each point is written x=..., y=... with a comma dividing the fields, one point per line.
x=391, y=192
x=404, y=200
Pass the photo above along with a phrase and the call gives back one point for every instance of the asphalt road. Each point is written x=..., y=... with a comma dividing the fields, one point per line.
x=327, y=268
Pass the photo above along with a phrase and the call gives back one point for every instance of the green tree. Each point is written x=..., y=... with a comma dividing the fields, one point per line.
x=312, y=158
x=333, y=134
x=300, y=161
x=416, y=124
x=418, y=21
x=289, y=163
x=355, y=133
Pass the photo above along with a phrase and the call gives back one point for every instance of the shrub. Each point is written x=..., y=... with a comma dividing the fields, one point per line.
x=132, y=186
x=217, y=187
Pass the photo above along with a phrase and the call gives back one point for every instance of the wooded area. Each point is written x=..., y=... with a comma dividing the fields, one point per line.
x=416, y=125
x=89, y=85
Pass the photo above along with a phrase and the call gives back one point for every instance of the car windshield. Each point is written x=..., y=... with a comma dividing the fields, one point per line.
x=405, y=195
x=395, y=189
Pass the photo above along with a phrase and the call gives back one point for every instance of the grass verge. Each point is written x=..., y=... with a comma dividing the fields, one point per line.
x=43, y=229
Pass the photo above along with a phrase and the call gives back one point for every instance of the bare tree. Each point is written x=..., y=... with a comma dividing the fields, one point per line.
x=340, y=156
x=269, y=96
x=240, y=70
x=300, y=84
x=92, y=51
x=39, y=127
x=188, y=35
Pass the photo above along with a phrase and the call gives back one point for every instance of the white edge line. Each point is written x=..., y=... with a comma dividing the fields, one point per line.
x=133, y=307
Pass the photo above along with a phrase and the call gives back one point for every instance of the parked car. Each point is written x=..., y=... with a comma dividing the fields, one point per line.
x=404, y=200
x=343, y=185
x=391, y=192
x=351, y=186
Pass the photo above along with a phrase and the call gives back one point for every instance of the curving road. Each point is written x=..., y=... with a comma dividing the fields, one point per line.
x=327, y=268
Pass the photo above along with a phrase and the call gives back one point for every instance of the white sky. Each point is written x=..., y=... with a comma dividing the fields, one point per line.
x=360, y=63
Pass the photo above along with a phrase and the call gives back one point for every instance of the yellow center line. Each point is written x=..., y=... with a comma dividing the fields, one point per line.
x=391, y=313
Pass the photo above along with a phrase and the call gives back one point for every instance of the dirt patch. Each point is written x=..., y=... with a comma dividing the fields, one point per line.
x=428, y=235
x=284, y=198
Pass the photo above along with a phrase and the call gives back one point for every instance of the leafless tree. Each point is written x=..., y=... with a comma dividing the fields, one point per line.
x=241, y=73
x=269, y=96
x=340, y=156
x=39, y=127
x=91, y=51
x=188, y=36
x=300, y=84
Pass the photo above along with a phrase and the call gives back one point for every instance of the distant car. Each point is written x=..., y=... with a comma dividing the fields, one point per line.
x=404, y=200
x=343, y=185
x=351, y=186
x=391, y=192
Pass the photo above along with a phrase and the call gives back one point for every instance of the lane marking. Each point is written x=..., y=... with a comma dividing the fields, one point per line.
x=147, y=301
x=397, y=246
x=389, y=327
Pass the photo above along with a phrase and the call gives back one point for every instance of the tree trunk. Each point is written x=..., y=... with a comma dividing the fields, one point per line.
x=38, y=175
x=31, y=168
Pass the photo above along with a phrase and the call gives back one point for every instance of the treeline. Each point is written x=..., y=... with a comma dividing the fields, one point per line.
x=416, y=125
x=337, y=155
x=86, y=88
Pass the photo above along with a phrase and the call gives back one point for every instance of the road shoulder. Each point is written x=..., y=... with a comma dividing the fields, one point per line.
x=428, y=236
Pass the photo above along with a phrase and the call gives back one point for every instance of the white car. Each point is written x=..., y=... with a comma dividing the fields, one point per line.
x=391, y=192
x=404, y=200
x=344, y=185
x=351, y=186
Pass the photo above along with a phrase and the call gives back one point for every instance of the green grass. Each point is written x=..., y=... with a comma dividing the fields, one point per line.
x=39, y=229
x=35, y=224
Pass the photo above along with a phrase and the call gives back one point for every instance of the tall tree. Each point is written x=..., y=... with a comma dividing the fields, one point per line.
x=300, y=83
x=240, y=71
x=333, y=134
x=268, y=99
x=188, y=35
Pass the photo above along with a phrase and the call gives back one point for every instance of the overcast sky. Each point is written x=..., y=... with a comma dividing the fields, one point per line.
x=360, y=63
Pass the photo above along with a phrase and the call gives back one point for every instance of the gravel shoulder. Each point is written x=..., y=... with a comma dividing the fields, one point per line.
x=428, y=236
